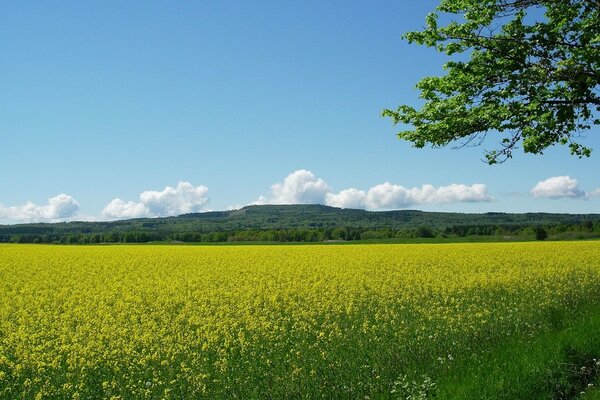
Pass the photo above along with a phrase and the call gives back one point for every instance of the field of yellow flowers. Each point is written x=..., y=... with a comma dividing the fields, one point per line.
x=321, y=321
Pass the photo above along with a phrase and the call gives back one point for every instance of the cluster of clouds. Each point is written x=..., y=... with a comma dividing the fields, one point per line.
x=181, y=199
x=303, y=187
x=59, y=208
x=299, y=187
x=561, y=187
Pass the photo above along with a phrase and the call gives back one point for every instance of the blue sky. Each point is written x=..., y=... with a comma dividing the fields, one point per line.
x=111, y=100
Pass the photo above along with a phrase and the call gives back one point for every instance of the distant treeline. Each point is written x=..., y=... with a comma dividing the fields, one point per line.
x=586, y=229
x=308, y=223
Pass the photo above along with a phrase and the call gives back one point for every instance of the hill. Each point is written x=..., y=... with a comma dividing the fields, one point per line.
x=296, y=223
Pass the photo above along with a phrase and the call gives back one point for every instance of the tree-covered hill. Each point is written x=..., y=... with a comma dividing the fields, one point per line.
x=297, y=223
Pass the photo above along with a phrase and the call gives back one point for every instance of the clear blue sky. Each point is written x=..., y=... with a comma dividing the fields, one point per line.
x=106, y=100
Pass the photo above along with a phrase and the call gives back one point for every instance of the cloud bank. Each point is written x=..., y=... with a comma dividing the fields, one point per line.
x=59, y=208
x=559, y=187
x=303, y=187
x=388, y=196
x=182, y=199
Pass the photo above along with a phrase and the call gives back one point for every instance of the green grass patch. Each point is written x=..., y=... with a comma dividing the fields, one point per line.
x=592, y=393
x=557, y=365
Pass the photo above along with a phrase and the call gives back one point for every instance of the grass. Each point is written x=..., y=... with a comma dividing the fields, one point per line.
x=593, y=393
x=557, y=365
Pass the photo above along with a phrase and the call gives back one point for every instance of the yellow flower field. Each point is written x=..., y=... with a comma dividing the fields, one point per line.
x=337, y=321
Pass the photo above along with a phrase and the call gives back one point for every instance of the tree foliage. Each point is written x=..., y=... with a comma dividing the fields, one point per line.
x=528, y=69
x=540, y=233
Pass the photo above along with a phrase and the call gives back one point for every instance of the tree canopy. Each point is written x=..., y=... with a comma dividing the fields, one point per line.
x=526, y=69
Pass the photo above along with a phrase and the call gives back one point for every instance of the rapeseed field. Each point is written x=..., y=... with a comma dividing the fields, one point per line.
x=277, y=322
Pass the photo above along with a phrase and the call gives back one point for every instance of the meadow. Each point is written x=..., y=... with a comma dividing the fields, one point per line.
x=444, y=321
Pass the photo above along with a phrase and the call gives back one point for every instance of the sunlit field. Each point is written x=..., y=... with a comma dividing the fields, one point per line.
x=450, y=321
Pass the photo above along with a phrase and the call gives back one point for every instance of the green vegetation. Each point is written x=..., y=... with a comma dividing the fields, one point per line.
x=559, y=364
x=528, y=69
x=313, y=223
x=592, y=393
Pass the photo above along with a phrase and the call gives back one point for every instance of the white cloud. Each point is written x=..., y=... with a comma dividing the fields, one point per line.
x=299, y=187
x=59, y=208
x=117, y=208
x=387, y=196
x=348, y=198
x=558, y=187
x=594, y=193
x=302, y=187
x=185, y=198
x=182, y=199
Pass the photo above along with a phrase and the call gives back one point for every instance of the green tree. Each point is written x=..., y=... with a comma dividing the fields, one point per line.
x=540, y=233
x=527, y=69
x=424, y=232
